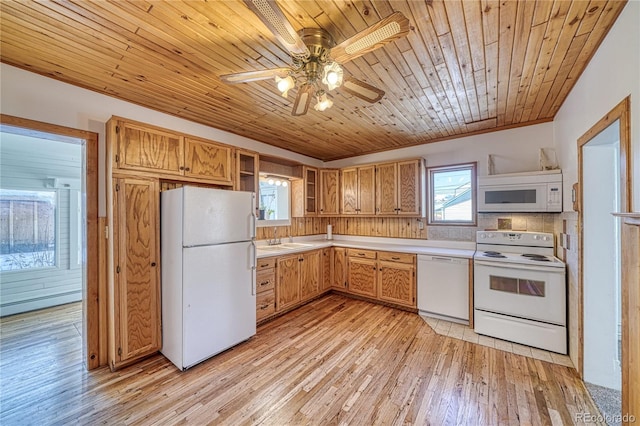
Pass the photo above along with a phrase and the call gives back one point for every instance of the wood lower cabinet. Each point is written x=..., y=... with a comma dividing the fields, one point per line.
x=265, y=288
x=298, y=279
x=396, y=283
x=339, y=271
x=288, y=282
x=135, y=292
x=362, y=277
x=326, y=278
x=385, y=276
x=310, y=275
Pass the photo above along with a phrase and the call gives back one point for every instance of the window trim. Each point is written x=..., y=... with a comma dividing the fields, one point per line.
x=472, y=166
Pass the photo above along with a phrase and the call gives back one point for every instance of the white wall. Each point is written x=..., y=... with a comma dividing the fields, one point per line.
x=513, y=150
x=32, y=96
x=612, y=74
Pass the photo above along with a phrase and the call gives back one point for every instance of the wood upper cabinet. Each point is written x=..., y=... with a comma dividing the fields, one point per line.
x=329, y=188
x=304, y=193
x=387, y=189
x=207, y=160
x=288, y=282
x=135, y=310
x=339, y=271
x=398, y=188
x=148, y=149
x=358, y=190
x=310, y=274
x=409, y=187
x=247, y=169
x=160, y=152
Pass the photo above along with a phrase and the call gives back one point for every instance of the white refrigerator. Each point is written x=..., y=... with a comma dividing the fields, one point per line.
x=208, y=272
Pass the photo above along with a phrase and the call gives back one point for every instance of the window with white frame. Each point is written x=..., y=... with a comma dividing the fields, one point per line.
x=275, y=201
x=452, y=194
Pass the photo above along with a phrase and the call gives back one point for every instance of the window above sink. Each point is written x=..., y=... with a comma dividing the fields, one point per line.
x=274, y=208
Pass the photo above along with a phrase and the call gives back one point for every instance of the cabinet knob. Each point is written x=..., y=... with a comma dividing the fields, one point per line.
x=181, y=167
x=187, y=168
x=153, y=264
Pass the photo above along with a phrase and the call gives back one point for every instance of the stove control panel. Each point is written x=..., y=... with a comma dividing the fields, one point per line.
x=520, y=238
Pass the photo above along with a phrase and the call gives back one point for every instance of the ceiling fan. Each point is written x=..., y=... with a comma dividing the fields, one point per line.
x=316, y=60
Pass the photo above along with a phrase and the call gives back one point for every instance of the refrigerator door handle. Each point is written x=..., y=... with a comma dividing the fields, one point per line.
x=253, y=226
x=254, y=261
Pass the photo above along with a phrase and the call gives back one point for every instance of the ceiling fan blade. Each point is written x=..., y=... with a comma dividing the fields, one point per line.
x=390, y=28
x=303, y=99
x=272, y=16
x=361, y=90
x=245, y=77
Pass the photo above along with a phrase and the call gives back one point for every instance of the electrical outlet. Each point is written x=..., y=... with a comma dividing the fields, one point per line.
x=420, y=224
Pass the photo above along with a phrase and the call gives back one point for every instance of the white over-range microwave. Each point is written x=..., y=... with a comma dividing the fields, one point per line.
x=521, y=192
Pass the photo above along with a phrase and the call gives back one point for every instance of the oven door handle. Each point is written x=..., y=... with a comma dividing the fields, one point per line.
x=518, y=266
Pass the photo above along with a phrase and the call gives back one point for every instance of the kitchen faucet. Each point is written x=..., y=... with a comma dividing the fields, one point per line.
x=275, y=240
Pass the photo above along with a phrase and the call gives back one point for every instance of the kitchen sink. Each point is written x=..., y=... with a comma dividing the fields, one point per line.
x=295, y=245
x=284, y=246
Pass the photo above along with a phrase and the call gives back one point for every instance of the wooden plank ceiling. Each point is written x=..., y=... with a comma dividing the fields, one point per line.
x=466, y=66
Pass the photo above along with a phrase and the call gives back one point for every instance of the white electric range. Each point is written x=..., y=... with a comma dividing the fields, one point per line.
x=520, y=291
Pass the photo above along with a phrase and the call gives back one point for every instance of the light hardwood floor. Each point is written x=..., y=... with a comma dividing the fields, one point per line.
x=333, y=361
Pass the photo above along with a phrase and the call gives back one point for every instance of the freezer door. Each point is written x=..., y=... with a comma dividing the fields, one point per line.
x=215, y=216
x=219, y=299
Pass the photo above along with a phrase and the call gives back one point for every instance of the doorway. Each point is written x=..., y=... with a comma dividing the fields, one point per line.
x=79, y=199
x=604, y=188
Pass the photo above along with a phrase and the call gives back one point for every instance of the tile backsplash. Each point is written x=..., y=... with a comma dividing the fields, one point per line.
x=535, y=222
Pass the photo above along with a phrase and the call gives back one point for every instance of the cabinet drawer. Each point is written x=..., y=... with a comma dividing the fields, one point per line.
x=364, y=254
x=265, y=304
x=396, y=257
x=266, y=262
x=265, y=280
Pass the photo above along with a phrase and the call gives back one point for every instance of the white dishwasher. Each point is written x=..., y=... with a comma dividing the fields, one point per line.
x=443, y=287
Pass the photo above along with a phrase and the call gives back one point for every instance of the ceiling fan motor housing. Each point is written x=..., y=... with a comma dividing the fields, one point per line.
x=319, y=43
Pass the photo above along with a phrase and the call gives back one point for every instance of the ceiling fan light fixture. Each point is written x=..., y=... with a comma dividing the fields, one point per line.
x=285, y=84
x=332, y=75
x=324, y=103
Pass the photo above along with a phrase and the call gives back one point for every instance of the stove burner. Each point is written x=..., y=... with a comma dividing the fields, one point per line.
x=495, y=254
x=537, y=257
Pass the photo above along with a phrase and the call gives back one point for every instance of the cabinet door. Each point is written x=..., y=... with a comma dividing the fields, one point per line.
x=367, y=190
x=310, y=191
x=206, y=160
x=349, y=193
x=362, y=275
x=397, y=283
x=310, y=275
x=136, y=318
x=386, y=189
x=326, y=269
x=147, y=149
x=288, y=282
x=339, y=273
x=329, y=191
x=247, y=168
x=409, y=190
